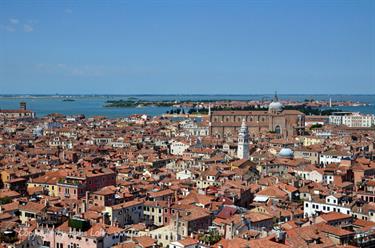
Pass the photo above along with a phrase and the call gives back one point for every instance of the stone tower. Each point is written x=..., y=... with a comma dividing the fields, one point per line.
x=243, y=142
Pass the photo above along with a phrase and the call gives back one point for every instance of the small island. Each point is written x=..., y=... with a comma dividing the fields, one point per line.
x=68, y=100
x=132, y=103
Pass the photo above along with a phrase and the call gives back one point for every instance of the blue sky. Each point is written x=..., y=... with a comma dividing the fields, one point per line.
x=187, y=47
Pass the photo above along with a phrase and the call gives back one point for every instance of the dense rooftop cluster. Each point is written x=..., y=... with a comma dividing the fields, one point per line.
x=74, y=182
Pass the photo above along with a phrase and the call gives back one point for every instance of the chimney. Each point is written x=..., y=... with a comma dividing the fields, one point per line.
x=280, y=236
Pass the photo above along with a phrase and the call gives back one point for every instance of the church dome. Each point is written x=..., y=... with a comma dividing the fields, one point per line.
x=286, y=153
x=275, y=105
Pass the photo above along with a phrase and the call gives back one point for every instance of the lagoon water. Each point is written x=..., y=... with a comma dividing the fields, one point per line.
x=94, y=105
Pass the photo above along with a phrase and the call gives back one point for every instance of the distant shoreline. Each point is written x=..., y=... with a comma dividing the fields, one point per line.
x=93, y=105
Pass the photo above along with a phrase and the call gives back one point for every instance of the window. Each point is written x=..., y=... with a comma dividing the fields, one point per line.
x=277, y=129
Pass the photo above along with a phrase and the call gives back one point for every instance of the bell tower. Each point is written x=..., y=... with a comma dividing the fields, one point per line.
x=243, y=142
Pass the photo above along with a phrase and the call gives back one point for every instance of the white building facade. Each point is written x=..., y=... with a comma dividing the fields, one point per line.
x=330, y=204
x=178, y=148
x=352, y=119
x=332, y=157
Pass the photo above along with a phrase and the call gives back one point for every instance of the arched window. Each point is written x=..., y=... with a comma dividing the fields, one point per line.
x=277, y=129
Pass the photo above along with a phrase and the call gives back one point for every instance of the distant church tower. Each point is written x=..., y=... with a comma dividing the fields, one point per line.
x=243, y=142
x=209, y=119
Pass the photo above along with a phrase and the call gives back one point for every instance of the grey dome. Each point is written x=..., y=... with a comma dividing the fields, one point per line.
x=276, y=106
x=286, y=152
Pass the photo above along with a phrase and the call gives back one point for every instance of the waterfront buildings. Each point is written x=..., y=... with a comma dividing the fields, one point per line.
x=21, y=113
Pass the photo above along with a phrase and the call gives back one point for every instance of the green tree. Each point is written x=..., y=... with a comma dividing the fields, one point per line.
x=5, y=200
x=314, y=126
x=212, y=237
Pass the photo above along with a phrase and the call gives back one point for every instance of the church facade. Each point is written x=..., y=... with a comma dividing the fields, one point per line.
x=287, y=123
